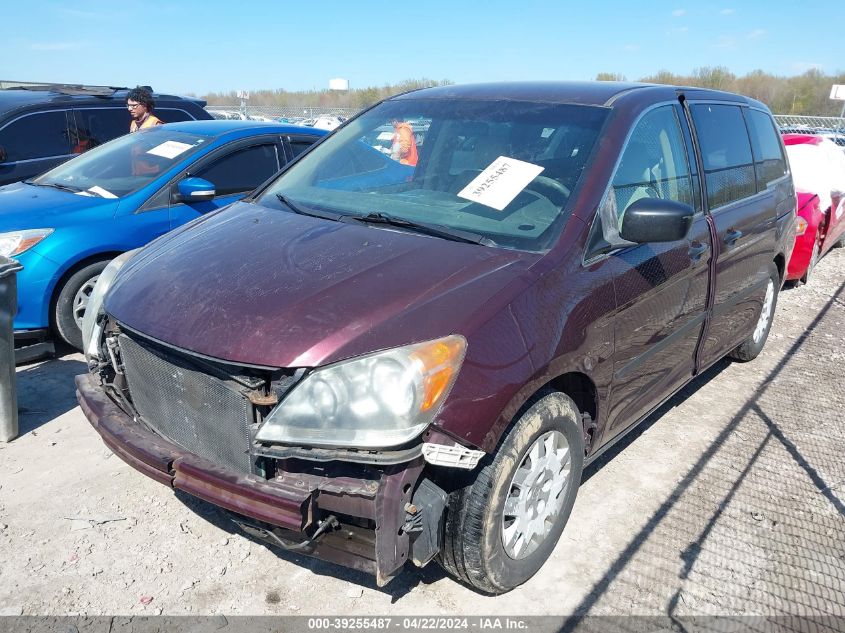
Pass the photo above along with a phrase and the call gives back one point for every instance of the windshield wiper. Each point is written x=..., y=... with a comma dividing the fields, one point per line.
x=55, y=185
x=314, y=213
x=437, y=230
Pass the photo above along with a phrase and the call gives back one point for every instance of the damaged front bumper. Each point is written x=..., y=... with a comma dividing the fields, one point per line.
x=373, y=519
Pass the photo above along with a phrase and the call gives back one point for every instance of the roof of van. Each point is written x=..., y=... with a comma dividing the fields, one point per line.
x=33, y=94
x=578, y=92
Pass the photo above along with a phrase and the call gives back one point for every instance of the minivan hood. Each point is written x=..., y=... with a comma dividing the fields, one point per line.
x=266, y=287
x=24, y=206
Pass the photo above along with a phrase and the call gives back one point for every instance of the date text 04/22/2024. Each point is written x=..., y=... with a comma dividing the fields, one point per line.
x=416, y=623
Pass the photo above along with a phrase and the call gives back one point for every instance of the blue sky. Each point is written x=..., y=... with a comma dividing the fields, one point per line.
x=191, y=46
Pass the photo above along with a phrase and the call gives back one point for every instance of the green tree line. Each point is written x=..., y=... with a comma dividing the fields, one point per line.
x=353, y=98
x=808, y=93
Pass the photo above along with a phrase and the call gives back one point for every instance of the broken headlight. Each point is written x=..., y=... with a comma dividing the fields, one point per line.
x=375, y=401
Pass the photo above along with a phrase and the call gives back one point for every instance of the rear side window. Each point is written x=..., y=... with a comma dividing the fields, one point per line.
x=769, y=163
x=37, y=135
x=243, y=170
x=725, y=152
x=172, y=115
x=95, y=126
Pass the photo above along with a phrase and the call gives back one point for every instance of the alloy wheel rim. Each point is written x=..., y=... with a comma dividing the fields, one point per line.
x=81, y=299
x=536, y=494
x=765, y=313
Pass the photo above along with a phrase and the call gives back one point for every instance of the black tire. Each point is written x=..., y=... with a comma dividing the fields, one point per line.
x=65, y=312
x=751, y=347
x=474, y=550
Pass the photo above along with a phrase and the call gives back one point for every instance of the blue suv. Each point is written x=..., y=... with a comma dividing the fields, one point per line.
x=67, y=224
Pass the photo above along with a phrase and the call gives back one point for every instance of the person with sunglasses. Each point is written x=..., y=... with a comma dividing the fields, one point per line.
x=140, y=104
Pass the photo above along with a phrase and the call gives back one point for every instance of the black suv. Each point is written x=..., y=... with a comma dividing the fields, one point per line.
x=42, y=125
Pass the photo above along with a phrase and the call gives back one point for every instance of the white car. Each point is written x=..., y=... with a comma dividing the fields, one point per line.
x=327, y=122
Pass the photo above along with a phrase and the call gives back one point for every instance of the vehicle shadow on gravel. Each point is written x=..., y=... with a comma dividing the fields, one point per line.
x=755, y=525
x=678, y=399
x=46, y=391
x=410, y=577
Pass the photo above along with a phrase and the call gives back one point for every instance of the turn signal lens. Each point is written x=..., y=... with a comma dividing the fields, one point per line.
x=800, y=225
x=438, y=361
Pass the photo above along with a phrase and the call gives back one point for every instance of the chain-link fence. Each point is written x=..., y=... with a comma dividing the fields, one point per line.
x=832, y=127
x=810, y=122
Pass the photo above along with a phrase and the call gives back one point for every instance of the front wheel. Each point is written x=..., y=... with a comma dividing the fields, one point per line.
x=751, y=347
x=72, y=302
x=503, y=527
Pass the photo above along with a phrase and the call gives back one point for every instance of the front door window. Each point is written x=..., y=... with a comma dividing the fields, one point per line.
x=653, y=165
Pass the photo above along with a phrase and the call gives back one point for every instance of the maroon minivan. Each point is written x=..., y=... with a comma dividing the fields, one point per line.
x=376, y=359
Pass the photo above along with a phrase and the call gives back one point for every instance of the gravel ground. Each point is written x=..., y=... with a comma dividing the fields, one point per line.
x=729, y=500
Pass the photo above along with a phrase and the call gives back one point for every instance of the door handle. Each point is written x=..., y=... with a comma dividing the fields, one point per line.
x=732, y=236
x=696, y=250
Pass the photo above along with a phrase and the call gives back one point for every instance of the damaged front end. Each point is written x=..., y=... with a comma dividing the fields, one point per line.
x=201, y=426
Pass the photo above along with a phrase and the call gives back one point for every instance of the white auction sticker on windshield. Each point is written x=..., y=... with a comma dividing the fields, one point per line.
x=103, y=193
x=500, y=182
x=169, y=149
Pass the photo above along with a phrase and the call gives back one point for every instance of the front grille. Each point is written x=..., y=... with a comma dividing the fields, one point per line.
x=199, y=412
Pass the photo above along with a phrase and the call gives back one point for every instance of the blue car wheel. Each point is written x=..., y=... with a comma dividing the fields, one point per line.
x=72, y=301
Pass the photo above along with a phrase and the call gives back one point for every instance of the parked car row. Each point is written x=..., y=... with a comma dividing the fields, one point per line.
x=372, y=362
x=237, y=115
x=66, y=224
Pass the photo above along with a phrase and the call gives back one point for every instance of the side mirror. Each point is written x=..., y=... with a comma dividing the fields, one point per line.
x=656, y=220
x=3, y=154
x=194, y=190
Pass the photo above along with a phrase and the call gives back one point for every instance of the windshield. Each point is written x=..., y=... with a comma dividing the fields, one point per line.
x=502, y=170
x=124, y=165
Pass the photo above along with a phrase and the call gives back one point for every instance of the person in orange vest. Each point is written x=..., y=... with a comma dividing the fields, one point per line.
x=140, y=104
x=404, y=147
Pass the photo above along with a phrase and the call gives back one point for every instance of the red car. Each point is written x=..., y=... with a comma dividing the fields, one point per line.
x=818, y=170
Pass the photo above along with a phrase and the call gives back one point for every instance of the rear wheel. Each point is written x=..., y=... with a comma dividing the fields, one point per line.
x=751, y=347
x=501, y=528
x=72, y=302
